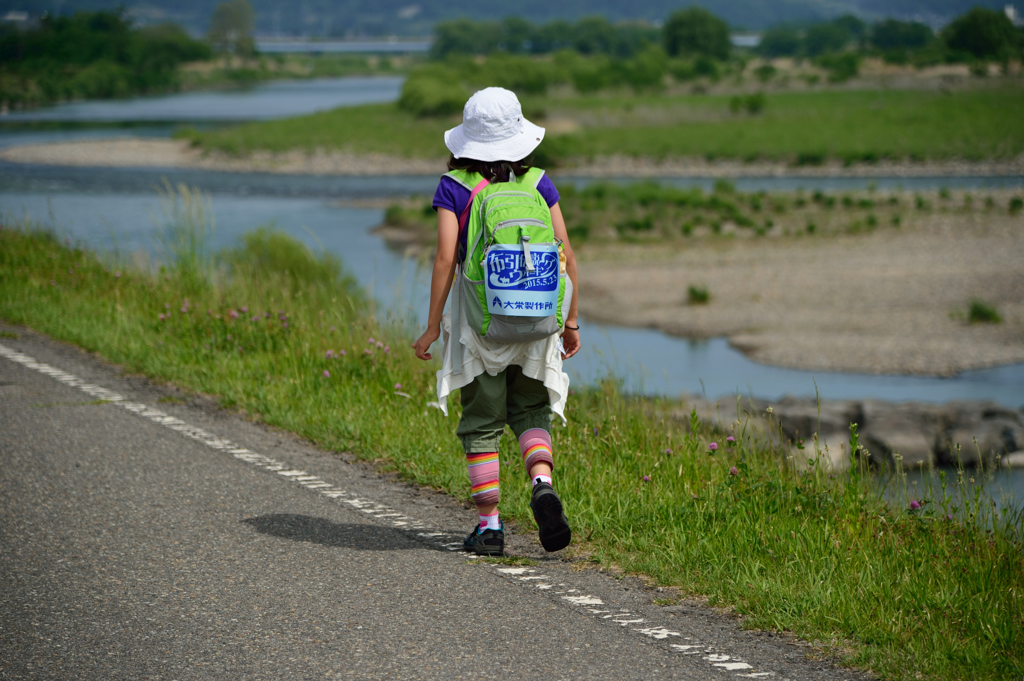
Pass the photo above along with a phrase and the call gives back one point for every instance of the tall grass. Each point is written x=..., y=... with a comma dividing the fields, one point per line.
x=283, y=334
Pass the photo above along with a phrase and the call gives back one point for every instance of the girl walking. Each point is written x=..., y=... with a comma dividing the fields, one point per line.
x=504, y=381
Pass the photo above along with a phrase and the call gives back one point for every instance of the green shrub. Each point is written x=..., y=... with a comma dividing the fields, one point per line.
x=646, y=71
x=840, y=67
x=706, y=67
x=1016, y=204
x=591, y=75
x=427, y=95
x=753, y=104
x=696, y=31
x=982, y=313
x=765, y=72
x=698, y=295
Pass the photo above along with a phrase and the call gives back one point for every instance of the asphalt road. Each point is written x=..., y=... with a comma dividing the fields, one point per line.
x=149, y=535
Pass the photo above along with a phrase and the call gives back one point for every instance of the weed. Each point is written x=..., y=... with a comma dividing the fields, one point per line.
x=698, y=295
x=981, y=312
x=8, y=334
x=811, y=228
x=1016, y=205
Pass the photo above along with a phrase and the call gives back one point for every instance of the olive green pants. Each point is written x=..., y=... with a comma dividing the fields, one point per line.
x=490, y=402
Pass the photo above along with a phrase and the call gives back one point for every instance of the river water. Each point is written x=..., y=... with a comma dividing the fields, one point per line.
x=118, y=208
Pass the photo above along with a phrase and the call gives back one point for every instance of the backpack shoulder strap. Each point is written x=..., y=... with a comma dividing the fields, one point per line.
x=464, y=218
x=533, y=177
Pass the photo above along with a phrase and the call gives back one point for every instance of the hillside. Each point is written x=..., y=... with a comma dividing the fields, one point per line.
x=354, y=18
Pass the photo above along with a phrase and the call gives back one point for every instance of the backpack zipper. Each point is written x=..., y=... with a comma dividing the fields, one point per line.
x=506, y=224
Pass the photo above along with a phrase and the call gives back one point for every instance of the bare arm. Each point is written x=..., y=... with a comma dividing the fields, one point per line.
x=570, y=337
x=440, y=280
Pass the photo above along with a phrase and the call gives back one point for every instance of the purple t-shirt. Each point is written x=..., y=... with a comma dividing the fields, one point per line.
x=453, y=196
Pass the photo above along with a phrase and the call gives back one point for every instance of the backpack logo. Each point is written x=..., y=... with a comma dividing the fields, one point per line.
x=512, y=289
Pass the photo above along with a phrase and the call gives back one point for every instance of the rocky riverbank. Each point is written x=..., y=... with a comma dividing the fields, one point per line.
x=911, y=434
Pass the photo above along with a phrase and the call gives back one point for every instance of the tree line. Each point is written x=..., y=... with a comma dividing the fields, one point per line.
x=91, y=55
x=101, y=55
x=979, y=34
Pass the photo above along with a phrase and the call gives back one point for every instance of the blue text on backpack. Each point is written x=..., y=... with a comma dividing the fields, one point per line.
x=510, y=282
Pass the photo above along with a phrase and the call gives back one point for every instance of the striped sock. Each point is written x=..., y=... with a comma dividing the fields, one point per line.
x=535, y=444
x=483, y=477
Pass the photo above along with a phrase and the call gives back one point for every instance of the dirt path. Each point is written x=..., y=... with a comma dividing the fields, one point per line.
x=890, y=302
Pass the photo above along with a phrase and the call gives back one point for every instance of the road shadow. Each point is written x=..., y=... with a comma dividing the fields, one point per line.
x=327, y=533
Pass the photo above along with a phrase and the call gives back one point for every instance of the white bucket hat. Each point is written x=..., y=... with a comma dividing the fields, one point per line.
x=493, y=128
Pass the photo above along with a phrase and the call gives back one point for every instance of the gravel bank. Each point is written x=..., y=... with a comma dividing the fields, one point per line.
x=891, y=302
x=161, y=153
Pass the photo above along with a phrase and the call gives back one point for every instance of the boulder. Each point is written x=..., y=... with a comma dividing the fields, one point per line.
x=908, y=430
x=982, y=443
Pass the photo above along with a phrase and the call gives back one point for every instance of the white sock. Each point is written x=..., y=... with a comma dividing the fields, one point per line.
x=537, y=479
x=490, y=522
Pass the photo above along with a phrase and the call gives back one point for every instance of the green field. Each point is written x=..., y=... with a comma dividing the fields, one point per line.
x=908, y=593
x=797, y=127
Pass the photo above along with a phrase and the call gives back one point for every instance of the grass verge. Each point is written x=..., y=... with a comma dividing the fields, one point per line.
x=281, y=333
x=797, y=127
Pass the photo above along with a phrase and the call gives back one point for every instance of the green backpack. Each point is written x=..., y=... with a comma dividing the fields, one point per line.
x=510, y=283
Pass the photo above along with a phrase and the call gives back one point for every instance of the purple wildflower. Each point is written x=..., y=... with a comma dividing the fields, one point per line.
x=330, y=354
x=367, y=351
x=370, y=340
x=233, y=314
x=341, y=352
x=255, y=318
x=117, y=274
x=733, y=471
x=245, y=310
x=387, y=349
x=949, y=517
x=379, y=345
x=327, y=374
x=730, y=439
x=713, y=446
x=167, y=306
x=668, y=451
x=160, y=316
x=914, y=504
x=647, y=478
x=286, y=325
x=398, y=386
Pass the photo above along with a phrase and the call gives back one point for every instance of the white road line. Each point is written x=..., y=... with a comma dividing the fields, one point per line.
x=322, y=487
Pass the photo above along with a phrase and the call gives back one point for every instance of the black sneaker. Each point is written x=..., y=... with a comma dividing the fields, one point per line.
x=486, y=543
x=547, y=511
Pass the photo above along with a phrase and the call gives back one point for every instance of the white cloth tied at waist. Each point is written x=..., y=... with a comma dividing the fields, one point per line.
x=541, y=360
